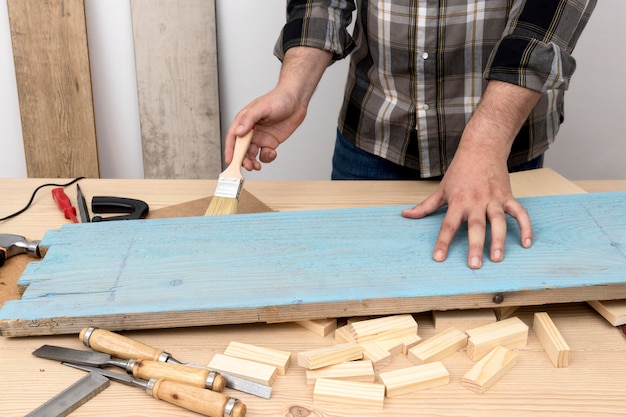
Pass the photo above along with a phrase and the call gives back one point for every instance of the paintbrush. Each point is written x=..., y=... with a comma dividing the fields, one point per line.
x=230, y=181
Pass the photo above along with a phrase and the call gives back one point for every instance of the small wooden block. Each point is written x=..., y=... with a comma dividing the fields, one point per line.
x=393, y=346
x=383, y=328
x=553, y=343
x=278, y=358
x=377, y=354
x=438, y=347
x=322, y=327
x=350, y=393
x=254, y=371
x=489, y=369
x=463, y=319
x=614, y=311
x=511, y=333
x=344, y=335
x=409, y=341
x=330, y=355
x=360, y=371
x=415, y=378
x=503, y=313
x=358, y=318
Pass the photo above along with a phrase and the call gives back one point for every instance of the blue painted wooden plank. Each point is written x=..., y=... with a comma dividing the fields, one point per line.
x=304, y=258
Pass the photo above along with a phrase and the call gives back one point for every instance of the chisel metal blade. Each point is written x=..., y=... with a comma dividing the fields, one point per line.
x=80, y=357
x=235, y=382
x=68, y=400
x=247, y=386
x=116, y=376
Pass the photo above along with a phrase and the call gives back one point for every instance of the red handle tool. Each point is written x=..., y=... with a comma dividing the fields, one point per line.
x=64, y=203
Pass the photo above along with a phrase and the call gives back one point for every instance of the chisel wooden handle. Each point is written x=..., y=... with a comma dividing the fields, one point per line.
x=120, y=346
x=209, y=403
x=154, y=365
x=197, y=377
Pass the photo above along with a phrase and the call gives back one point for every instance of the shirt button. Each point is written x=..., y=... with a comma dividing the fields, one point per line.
x=425, y=55
x=425, y=107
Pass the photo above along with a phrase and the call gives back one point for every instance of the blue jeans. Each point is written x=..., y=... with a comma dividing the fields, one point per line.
x=352, y=163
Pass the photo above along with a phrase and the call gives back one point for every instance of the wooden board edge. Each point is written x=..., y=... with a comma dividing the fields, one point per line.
x=294, y=312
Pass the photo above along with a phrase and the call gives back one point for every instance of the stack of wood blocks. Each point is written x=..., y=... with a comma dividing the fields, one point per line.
x=351, y=371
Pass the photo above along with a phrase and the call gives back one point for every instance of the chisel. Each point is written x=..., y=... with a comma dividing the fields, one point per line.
x=139, y=368
x=202, y=401
x=127, y=348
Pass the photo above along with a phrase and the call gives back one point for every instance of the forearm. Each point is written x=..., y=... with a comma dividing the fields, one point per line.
x=502, y=111
x=301, y=72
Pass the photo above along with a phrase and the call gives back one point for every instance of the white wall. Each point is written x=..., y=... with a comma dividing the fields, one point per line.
x=592, y=140
x=591, y=144
x=12, y=161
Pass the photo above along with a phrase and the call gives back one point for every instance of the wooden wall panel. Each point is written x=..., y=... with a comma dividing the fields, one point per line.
x=176, y=61
x=54, y=87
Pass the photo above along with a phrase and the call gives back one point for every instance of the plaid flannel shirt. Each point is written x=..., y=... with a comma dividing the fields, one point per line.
x=419, y=67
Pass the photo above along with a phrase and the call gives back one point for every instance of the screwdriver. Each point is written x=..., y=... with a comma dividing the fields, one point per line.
x=64, y=203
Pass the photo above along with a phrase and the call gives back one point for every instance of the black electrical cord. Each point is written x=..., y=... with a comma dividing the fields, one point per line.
x=17, y=213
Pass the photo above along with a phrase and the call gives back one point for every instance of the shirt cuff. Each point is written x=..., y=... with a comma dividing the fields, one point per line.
x=319, y=34
x=530, y=63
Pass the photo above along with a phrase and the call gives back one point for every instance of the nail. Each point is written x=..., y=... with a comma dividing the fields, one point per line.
x=475, y=262
x=439, y=256
x=497, y=255
x=528, y=243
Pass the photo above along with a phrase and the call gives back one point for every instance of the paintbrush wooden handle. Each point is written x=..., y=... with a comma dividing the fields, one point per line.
x=197, y=377
x=239, y=153
x=209, y=403
x=120, y=346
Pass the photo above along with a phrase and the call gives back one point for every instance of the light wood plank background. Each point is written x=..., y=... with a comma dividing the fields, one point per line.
x=54, y=87
x=176, y=62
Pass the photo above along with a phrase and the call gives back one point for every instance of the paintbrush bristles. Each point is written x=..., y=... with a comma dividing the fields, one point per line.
x=230, y=181
x=222, y=206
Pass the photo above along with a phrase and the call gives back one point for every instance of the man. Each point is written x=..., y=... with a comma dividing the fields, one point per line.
x=465, y=90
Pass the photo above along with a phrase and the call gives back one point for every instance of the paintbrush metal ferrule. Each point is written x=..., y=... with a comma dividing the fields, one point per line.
x=228, y=187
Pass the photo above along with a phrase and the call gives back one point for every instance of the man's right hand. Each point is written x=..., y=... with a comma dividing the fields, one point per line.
x=277, y=114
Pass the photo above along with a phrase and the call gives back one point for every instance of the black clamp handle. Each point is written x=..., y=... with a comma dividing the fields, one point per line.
x=136, y=209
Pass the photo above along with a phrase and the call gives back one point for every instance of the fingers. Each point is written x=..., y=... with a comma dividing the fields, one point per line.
x=476, y=228
x=497, y=220
x=519, y=213
x=476, y=217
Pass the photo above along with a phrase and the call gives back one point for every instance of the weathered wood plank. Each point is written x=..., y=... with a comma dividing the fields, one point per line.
x=176, y=61
x=309, y=265
x=54, y=87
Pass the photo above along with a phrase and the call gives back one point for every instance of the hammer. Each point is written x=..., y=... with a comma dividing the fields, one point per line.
x=14, y=245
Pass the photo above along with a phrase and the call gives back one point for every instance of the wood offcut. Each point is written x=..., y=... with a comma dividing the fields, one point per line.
x=54, y=88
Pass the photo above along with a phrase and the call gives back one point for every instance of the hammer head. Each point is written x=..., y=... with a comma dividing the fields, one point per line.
x=11, y=245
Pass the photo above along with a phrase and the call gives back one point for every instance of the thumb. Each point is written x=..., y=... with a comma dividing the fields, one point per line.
x=426, y=207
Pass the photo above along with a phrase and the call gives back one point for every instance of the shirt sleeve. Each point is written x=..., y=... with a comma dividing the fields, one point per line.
x=317, y=24
x=535, y=50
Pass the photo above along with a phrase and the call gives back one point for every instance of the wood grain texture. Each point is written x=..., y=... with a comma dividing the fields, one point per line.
x=489, y=369
x=176, y=61
x=307, y=265
x=54, y=87
x=587, y=388
x=551, y=339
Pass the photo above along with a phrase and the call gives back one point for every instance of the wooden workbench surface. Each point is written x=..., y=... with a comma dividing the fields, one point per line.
x=590, y=386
